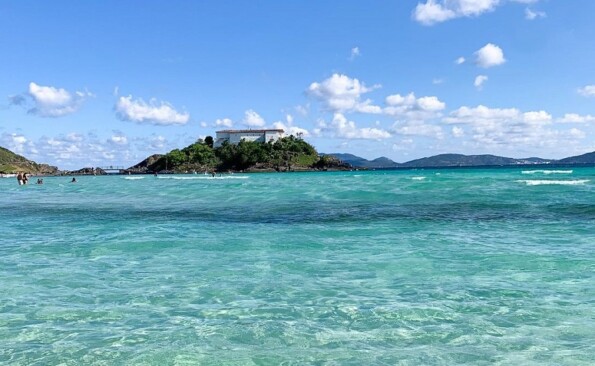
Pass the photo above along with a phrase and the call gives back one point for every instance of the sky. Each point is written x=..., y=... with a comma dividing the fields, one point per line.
x=99, y=83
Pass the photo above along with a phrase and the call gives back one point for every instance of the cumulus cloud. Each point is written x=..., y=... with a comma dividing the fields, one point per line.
x=290, y=128
x=587, y=91
x=341, y=127
x=253, y=119
x=418, y=128
x=412, y=108
x=48, y=101
x=224, y=122
x=479, y=80
x=459, y=61
x=118, y=138
x=17, y=143
x=576, y=118
x=508, y=126
x=436, y=11
x=458, y=131
x=489, y=55
x=340, y=93
x=154, y=112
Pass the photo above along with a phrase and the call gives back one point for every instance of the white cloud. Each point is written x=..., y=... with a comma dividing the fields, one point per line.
x=532, y=15
x=253, y=119
x=157, y=113
x=435, y=11
x=341, y=127
x=437, y=81
x=431, y=12
x=479, y=80
x=118, y=139
x=418, y=128
x=340, y=93
x=224, y=122
x=489, y=55
x=459, y=61
x=291, y=130
x=539, y=117
x=412, y=108
x=17, y=143
x=75, y=150
x=576, y=133
x=355, y=52
x=289, y=127
x=576, y=118
x=458, y=131
x=508, y=127
x=55, y=102
x=587, y=91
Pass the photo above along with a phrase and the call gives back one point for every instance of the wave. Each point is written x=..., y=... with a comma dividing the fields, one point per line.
x=203, y=177
x=540, y=182
x=418, y=178
x=547, y=172
x=134, y=178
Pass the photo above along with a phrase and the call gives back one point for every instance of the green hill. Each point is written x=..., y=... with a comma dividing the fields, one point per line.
x=286, y=154
x=13, y=163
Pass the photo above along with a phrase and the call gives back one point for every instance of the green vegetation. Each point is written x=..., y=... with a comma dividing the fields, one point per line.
x=13, y=163
x=286, y=154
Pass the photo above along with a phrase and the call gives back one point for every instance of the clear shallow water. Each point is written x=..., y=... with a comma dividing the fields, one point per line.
x=474, y=266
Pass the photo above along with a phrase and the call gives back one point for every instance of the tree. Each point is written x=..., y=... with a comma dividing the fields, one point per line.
x=209, y=141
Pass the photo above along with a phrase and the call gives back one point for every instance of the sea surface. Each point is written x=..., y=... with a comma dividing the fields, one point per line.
x=413, y=267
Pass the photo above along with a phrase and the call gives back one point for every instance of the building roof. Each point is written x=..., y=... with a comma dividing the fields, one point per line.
x=248, y=131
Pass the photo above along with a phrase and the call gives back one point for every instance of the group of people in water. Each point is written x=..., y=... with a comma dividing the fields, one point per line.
x=23, y=179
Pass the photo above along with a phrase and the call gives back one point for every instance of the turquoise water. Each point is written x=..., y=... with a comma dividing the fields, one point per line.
x=467, y=266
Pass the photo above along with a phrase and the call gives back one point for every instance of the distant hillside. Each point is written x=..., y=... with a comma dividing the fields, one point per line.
x=146, y=164
x=588, y=158
x=14, y=163
x=360, y=162
x=454, y=160
x=446, y=160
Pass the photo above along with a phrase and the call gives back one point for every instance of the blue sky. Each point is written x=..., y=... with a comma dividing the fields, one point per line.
x=111, y=82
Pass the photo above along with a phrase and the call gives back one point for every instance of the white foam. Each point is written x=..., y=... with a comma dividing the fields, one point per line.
x=418, y=178
x=540, y=182
x=547, y=171
x=134, y=178
x=203, y=177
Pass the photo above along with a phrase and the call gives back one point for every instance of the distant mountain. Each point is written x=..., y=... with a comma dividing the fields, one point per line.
x=456, y=160
x=359, y=162
x=13, y=163
x=588, y=158
x=448, y=160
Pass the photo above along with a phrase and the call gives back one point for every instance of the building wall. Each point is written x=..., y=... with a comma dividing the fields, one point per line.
x=234, y=138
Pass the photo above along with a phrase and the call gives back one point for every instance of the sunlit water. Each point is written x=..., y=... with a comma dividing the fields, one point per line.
x=464, y=266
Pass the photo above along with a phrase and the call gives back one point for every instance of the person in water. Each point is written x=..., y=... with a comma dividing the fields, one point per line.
x=39, y=181
x=73, y=180
x=20, y=178
x=25, y=178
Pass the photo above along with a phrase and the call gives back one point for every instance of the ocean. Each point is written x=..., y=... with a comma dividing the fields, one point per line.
x=404, y=267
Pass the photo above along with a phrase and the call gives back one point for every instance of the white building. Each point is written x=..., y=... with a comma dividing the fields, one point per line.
x=235, y=136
